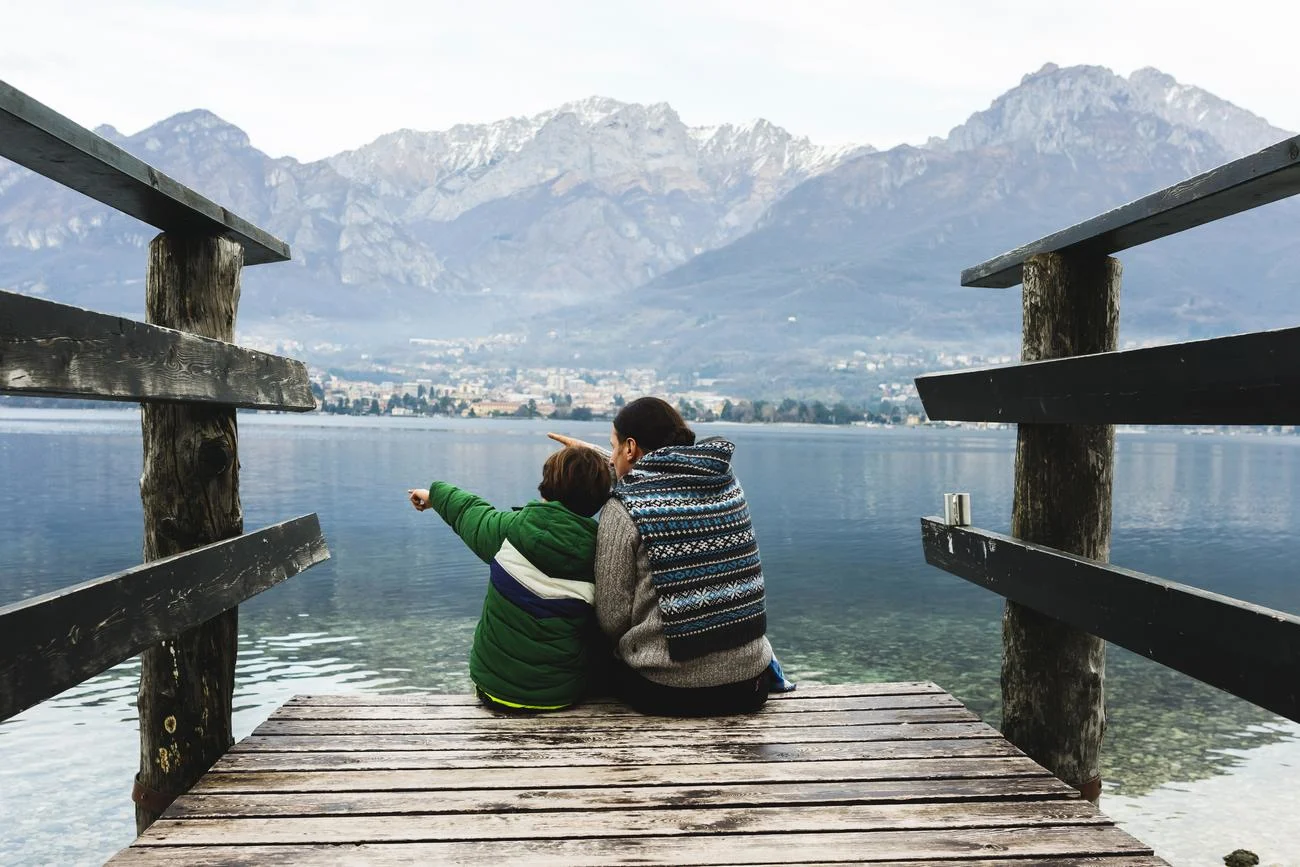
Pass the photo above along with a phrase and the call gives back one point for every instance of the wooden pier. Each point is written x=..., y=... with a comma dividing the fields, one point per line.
x=879, y=773
x=876, y=773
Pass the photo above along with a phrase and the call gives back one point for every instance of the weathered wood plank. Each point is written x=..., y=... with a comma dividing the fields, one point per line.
x=1242, y=379
x=55, y=350
x=437, y=721
x=542, y=724
x=719, y=849
x=55, y=641
x=1248, y=650
x=239, y=759
x=805, y=692
x=267, y=804
x=1078, y=861
x=1084, y=861
x=382, y=854
x=1243, y=184
x=39, y=138
x=788, y=710
x=1052, y=673
x=421, y=828
x=577, y=737
x=648, y=790
x=681, y=774
x=189, y=488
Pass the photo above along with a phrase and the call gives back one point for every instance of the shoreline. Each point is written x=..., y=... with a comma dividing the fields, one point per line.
x=22, y=413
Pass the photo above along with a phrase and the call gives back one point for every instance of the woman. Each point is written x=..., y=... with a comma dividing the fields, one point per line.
x=679, y=585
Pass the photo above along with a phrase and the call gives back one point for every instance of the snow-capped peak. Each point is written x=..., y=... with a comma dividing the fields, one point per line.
x=1060, y=110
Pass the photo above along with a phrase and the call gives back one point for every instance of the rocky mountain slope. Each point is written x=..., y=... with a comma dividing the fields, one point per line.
x=450, y=228
x=869, y=253
x=617, y=232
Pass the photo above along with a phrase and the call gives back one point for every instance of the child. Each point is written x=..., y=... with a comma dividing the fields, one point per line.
x=533, y=646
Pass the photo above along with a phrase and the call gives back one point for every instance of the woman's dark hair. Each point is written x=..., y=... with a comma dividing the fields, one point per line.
x=653, y=423
x=578, y=478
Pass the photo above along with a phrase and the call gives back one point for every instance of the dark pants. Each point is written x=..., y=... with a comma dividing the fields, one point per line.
x=648, y=697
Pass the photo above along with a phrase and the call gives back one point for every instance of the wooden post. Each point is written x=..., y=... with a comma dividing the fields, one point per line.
x=190, y=490
x=1053, y=674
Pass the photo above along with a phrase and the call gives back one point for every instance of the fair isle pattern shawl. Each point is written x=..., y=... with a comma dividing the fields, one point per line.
x=704, y=563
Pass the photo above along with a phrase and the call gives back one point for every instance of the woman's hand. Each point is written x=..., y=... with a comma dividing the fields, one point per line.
x=419, y=498
x=570, y=441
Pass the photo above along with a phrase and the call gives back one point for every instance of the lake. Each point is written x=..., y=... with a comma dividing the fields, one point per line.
x=1189, y=769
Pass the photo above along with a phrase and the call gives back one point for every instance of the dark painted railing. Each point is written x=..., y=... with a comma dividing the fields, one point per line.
x=1063, y=597
x=178, y=609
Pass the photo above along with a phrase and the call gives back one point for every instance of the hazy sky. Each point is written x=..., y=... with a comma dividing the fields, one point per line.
x=309, y=79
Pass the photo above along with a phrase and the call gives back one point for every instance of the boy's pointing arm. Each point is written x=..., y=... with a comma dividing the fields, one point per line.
x=480, y=526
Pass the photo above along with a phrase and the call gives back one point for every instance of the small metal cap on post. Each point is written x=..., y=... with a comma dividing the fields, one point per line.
x=956, y=510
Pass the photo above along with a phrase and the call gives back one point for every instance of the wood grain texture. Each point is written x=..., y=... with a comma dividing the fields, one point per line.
x=1053, y=673
x=681, y=774
x=805, y=693
x=579, y=737
x=480, y=719
x=917, y=709
x=1258, y=179
x=379, y=803
x=1242, y=379
x=593, y=789
x=239, y=759
x=373, y=720
x=717, y=849
x=55, y=350
x=1248, y=650
x=685, y=821
x=418, y=853
x=39, y=138
x=52, y=642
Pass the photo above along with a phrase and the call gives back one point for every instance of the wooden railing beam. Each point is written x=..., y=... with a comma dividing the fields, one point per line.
x=1258, y=179
x=54, y=350
x=38, y=138
x=53, y=642
x=1245, y=649
x=1241, y=379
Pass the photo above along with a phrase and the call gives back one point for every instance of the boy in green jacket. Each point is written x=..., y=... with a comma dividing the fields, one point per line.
x=533, y=643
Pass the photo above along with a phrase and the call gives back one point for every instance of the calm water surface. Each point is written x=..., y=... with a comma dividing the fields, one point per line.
x=1189, y=769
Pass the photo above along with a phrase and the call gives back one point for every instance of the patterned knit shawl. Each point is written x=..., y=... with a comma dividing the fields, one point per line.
x=693, y=519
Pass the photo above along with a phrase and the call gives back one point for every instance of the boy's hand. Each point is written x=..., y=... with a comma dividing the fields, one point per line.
x=419, y=498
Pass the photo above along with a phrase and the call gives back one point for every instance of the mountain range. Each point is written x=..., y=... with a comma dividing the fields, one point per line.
x=617, y=233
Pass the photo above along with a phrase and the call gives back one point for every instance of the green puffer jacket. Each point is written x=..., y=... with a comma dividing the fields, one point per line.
x=532, y=647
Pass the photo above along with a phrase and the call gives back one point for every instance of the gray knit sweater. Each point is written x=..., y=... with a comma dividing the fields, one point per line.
x=627, y=606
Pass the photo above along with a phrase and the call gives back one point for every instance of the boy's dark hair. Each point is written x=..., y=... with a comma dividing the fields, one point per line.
x=578, y=478
x=653, y=423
